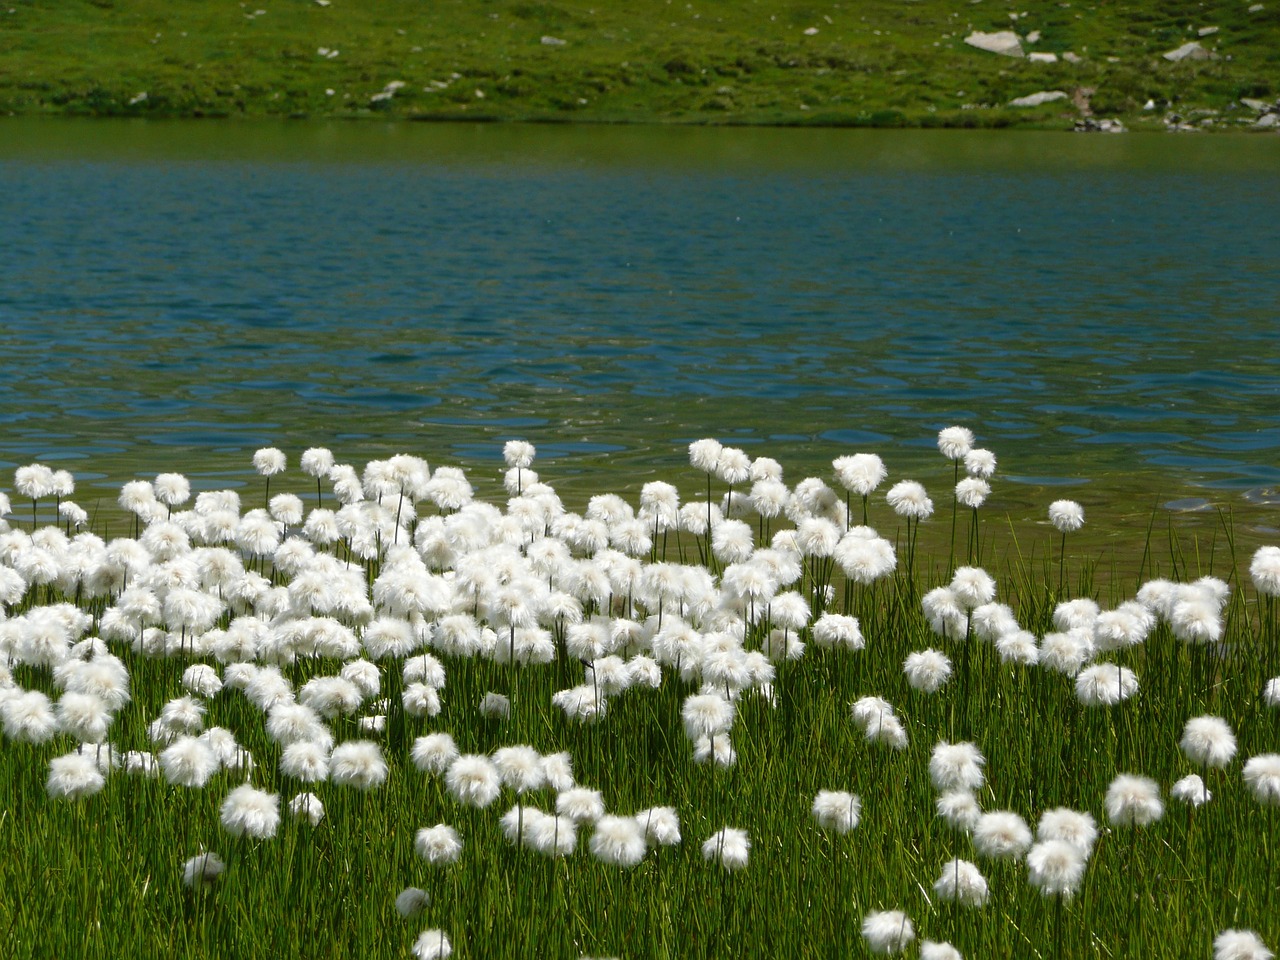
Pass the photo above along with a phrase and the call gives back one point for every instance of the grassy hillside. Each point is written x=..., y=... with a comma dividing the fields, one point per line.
x=879, y=62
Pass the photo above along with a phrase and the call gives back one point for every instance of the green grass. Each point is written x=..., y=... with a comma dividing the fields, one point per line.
x=102, y=876
x=878, y=63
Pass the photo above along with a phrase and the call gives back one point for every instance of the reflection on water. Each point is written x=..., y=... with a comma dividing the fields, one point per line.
x=1100, y=311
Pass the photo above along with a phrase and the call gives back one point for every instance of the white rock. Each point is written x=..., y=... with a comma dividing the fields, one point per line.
x=1269, y=122
x=1035, y=99
x=1149, y=105
x=1042, y=57
x=1207, y=31
x=811, y=31
x=1257, y=8
x=553, y=42
x=1033, y=36
x=1002, y=41
x=1258, y=106
x=1191, y=50
x=1071, y=57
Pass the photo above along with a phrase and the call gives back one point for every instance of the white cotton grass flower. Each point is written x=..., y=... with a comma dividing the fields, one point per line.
x=972, y=492
x=1240, y=945
x=1271, y=692
x=189, y=762
x=434, y=752
x=718, y=748
x=74, y=776
x=887, y=931
x=935, y=950
x=972, y=587
x=704, y=454
x=1001, y=835
x=249, y=812
x=268, y=461
x=202, y=680
x=432, y=945
x=955, y=442
x=961, y=882
x=557, y=771
x=1262, y=777
x=306, y=761
x=1264, y=570
x=519, y=768
x=1105, y=685
x=495, y=706
x=838, y=630
x=909, y=500
x=1208, y=741
x=316, y=462
x=201, y=870
x=959, y=809
x=1070, y=826
x=860, y=473
x=1196, y=619
x=1191, y=790
x=1133, y=801
x=980, y=463
x=705, y=715
x=871, y=711
x=519, y=453
x=359, y=764
x=1065, y=653
x=837, y=810
x=619, y=841
x=1055, y=868
x=927, y=670
x=438, y=845
x=730, y=846
x=551, y=836
x=956, y=766
x=888, y=731
x=1066, y=515
x=1075, y=614
x=28, y=717
x=661, y=825
x=580, y=804
x=473, y=780
x=307, y=806
x=411, y=901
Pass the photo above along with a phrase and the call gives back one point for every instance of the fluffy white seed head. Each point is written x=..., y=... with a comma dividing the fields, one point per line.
x=618, y=841
x=1191, y=790
x=887, y=931
x=1208, y=741
x=249, y=812
x=1071, y=826
x=955, y=442
x=956, y=766
x=836, y=810
x=1066, y=515
x=1262, y=777
x=1133, y=801
x=730, y=846
x=961, y=882
x=1001, y=835
x=1240, y=945
x=438, y=845
x=1055, y=868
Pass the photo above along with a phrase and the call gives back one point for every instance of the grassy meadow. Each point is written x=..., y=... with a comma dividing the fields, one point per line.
x=878, y=63
x=380, y=641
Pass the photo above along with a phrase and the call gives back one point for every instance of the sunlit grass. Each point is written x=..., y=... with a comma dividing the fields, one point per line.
x=502, y=625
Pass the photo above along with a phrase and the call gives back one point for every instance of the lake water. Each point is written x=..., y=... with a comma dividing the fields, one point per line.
x=1101, y=311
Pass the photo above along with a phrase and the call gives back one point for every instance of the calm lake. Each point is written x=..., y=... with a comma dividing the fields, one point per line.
x=1101, y=311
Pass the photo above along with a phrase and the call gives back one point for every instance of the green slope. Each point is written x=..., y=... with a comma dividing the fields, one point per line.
x=881, y=62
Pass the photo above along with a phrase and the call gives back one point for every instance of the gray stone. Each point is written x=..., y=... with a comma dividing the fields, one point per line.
x=1191, y=50
x=1207, y=31
x=1258, y=106
x=553, y=42
x=1036, y=99
x=1071, y=57
x=1002, y=41
x=1268, y=122
x=1042, y=57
